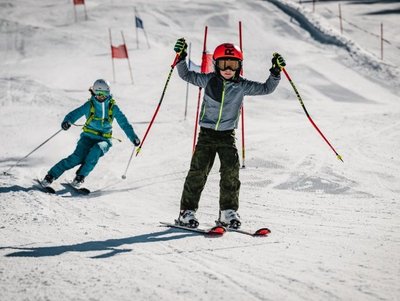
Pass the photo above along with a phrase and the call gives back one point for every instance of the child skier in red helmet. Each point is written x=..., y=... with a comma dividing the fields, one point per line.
x=224, y=91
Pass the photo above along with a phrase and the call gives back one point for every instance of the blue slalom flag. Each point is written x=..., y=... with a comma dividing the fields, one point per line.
x=139, y=22
x=193, y=66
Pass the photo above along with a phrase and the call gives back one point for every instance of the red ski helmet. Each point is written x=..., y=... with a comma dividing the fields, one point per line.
x=228, y=50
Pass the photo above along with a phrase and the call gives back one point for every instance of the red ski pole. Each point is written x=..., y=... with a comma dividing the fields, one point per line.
x=159, y=103
x=308, y=115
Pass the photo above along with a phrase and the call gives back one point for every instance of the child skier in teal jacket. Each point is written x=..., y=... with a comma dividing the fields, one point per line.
x=100, y=111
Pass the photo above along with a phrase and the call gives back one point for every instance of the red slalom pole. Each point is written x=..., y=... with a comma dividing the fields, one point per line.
x=159, y=103
x=242, y=108
x=308, y=115
x=203, y=62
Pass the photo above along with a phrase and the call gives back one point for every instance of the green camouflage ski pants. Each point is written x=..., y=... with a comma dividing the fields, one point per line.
x=209, y=144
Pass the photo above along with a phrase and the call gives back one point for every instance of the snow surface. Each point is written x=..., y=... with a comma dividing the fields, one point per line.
x=335, y=226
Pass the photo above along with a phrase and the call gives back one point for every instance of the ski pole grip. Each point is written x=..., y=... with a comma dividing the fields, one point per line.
x=176, y=60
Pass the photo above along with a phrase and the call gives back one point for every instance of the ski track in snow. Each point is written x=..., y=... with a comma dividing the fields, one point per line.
x=335, y=226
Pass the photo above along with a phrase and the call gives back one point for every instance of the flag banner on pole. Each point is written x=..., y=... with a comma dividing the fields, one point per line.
x=139, y=22
x=193, y=66
x=119, y=52
x=207, y=64
x=79, y=2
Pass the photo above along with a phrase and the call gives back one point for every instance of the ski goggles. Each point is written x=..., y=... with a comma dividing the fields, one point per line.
x=225, y=64
x=101, y=95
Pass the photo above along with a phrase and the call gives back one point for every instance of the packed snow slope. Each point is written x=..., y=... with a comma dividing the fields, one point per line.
x=335, y=226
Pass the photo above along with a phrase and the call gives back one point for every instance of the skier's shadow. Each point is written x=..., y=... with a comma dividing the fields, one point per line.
x=16, y=188
x=109, y=245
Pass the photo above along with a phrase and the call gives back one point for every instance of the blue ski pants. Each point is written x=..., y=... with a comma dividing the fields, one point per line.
x=87, y=153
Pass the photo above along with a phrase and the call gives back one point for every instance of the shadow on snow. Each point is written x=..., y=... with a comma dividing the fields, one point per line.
x=16, y=188
x=109, y=245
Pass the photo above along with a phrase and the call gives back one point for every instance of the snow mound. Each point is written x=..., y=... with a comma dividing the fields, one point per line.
x=322, y=32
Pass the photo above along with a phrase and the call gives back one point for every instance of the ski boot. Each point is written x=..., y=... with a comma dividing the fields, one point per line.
x=229, y=218
x=78, y=181
x=46, y=182
x=187, y=218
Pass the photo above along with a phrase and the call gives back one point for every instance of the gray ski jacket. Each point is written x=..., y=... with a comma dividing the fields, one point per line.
x=223, y=99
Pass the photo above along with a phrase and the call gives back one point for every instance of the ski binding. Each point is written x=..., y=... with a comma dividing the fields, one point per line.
x=214, y=231
x=46, y=189
x=262, y=232
x=80, y=190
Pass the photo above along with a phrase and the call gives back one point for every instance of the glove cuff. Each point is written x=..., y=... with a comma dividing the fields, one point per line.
x=182, y=56
x=275, y=71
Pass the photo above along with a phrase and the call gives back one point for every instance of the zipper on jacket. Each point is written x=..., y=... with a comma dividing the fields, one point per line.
x=221, y=106
x=103, y=114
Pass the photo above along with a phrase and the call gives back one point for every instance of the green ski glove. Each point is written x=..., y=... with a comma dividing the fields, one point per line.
x=278, y=62
x=180, y=47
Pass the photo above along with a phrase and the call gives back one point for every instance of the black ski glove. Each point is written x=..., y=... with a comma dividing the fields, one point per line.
x=65, y=125
x=180, y=47
x=136, y=141
x=278, y=62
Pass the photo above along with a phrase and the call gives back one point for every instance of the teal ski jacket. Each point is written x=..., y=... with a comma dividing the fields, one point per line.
x=99, y=119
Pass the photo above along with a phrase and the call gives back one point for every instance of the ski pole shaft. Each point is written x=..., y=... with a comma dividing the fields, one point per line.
x=129, y=162
x=47, y=140
x=308, y=115
x=159, y=103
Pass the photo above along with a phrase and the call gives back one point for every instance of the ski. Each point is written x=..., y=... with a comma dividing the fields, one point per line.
x=46, y=189
x=214, y=231
x=262, y=232
x=82, y=190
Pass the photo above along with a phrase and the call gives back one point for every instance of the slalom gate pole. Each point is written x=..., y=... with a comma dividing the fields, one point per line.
x=196, y=120
x=112, y=58
x=159, y=103
x=47, y=140
x=202, y=68
x=242, y=108
x=308, y=115
x=129, y=162
x=187, y=84
x=127, y=56
x=137, y=36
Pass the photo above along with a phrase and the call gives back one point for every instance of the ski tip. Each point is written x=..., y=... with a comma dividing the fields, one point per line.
x=262, y=232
